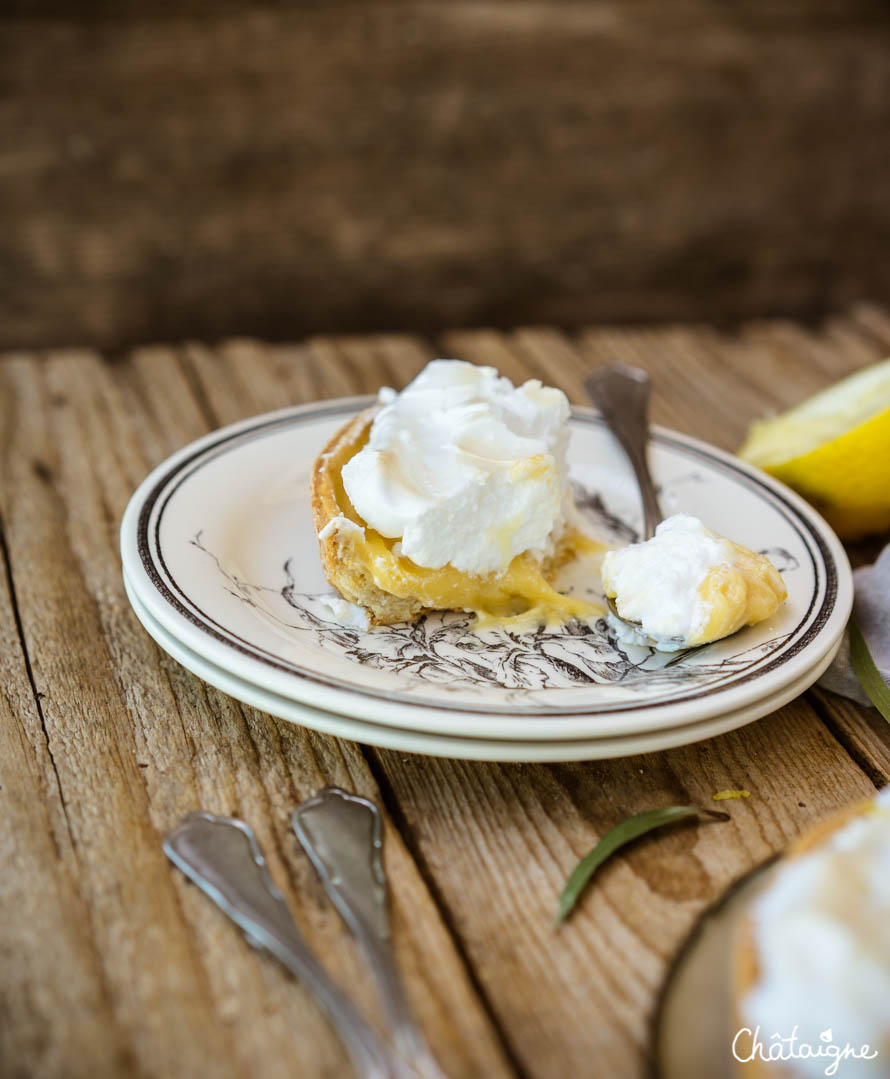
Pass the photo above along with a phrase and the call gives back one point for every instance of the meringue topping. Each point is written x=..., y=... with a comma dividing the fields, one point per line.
x=465, y=469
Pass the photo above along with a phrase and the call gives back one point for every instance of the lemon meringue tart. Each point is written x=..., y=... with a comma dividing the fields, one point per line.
x=811, y=971
x=452, y=495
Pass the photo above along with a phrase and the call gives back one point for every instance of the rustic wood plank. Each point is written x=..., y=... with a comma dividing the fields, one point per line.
x=257, y=168
x=59, y=1025
x=875, y=322
x=501, y=840
x=863, y=731
x=242, y=378
x=146, y=960
x=137, y=741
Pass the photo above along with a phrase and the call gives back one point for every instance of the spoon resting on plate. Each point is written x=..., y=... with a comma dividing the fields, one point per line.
x=621, y=393
x=683, y=585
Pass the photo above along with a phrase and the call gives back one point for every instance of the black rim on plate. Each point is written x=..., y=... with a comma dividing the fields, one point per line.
x=152, y=560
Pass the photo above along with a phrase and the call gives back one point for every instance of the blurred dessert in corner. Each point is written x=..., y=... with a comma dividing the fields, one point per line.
x=812, y=955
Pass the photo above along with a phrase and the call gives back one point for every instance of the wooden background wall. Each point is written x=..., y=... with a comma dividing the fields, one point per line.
x=174, y=170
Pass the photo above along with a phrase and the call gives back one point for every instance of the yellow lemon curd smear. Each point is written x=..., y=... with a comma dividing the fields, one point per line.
x=739, y=593
x=520, y=598
x=835, y=450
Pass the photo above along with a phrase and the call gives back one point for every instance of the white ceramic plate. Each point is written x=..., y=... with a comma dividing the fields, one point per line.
x=435, y=745
x=694, y=1015
x=218, y=545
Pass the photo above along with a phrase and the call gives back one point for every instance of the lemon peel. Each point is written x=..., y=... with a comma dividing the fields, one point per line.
x=834, y=449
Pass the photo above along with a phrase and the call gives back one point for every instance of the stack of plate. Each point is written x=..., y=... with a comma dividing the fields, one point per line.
x=221, y=566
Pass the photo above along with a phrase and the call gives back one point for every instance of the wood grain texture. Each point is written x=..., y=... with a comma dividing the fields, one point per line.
x=136, y=742
x=48, y=1021
x=192, y=170
x=114, y=965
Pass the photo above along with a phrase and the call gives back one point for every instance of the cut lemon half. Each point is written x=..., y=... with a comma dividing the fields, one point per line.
x=834, y=449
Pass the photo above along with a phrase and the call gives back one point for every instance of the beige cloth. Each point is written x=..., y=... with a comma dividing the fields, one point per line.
x=871, y=609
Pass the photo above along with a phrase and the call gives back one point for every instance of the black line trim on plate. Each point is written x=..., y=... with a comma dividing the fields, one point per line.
x=186, y=606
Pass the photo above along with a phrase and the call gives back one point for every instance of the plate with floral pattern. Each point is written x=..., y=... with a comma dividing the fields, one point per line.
x=458, y=746
x=219, y=546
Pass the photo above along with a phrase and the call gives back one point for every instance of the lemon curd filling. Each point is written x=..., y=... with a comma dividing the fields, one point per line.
x=742, y=592
x=519, y=598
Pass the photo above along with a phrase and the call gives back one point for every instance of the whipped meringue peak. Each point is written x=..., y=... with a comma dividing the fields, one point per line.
x=465, y=469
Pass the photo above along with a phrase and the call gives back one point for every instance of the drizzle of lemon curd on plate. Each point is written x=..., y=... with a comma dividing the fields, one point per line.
x=521, y=598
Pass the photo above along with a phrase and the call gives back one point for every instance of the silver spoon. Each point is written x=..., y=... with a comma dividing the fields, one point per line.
x=221, y=855
x=342, y=835
x=621, y=393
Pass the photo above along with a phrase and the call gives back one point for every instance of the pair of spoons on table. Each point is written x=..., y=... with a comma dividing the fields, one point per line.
x=341, y=833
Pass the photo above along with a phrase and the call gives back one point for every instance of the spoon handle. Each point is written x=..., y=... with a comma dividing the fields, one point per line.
x=221, y=855
x=621, y=393
x=342, y=835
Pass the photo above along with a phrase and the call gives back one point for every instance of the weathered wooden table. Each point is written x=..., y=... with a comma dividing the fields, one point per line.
x=111, y=964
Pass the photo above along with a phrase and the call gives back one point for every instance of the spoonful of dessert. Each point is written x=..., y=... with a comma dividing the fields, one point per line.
x=682, y=585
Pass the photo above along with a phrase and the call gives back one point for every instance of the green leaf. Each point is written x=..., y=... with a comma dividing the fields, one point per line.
x=867, y=673
x=619, y=836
